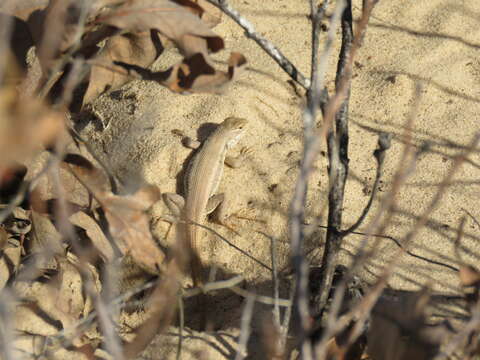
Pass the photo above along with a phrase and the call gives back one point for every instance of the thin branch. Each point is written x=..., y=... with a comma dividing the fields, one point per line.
x=266, y=45
x=458, y=241
x=181, y=320
x=311, y=149
x=286, y=317
x=220, y=236
x=276, y=296
x=366, y=305
x=384, y=142
x=267, y=300
x=313, y=96
x=245, y=328
x=458, y=340
x=338, y=161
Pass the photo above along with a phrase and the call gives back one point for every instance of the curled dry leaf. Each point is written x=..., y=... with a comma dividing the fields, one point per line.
x=23, y=9
x=12, y=233
x=469, y=276
x=140, y=49
x=95, y=234
x=193, y=74
x=93, y=178
x=130, y=226
x=172, y=20
x=180, y=24
x=54, y=30
x=3, y=238
x=128, y=222
x=25, y=127
x=211, y=15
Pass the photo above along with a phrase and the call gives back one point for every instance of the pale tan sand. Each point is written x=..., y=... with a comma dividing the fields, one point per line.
x=434, y=43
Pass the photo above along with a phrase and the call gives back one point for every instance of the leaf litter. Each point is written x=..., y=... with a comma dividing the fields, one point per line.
x=68, y=226
x=57, y=243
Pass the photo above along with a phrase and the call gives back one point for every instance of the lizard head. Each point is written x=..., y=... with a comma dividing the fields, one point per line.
x=235, y=127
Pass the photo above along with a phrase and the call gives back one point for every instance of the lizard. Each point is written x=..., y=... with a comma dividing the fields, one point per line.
x=201, y=182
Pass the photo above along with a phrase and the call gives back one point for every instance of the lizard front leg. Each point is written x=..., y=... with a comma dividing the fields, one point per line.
x=218, y=207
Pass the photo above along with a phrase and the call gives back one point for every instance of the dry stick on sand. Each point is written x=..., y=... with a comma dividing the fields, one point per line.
x=337, y=142
x=266, y=45
x=310, y=152
x=361, y=312
x=361, y=257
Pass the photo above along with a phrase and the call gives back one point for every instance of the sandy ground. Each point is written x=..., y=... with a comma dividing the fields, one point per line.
x=433, y=44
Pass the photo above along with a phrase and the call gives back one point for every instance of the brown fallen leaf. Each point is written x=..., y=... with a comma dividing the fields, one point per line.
x=192, y=75
x=211, y=15
x=93, y=178
x=54, y=30
x=95, y=234
x=162, y=306
x=128, y=222
x=130, y=227
x=172, y=20
x=3, y=238
x=25, y=128
x=23, y=9
x=469, y=276
x=141, y=49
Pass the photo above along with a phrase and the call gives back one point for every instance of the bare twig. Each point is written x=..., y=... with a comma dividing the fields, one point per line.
x=245, y=328
x=338, y=146
x=361, y=312
x=265, y=44
x=459, y=339
x=458, y=241
x=107, y=325
x=276, y=308
x=297, y=207
x=181, y=320
x=46, y=49
x=260, y=298
x=384, y=141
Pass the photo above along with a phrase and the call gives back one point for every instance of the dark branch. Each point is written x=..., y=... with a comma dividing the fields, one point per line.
x=338, y=160
x=384, y=141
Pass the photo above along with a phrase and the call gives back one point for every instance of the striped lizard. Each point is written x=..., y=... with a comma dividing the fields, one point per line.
x=201, y=183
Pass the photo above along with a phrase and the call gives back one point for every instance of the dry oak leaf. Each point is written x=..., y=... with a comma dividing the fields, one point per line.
x=54, y=30
x=469, y=276
x=174, y=21
x=130, y=226
x=95, y=234
x=210, y=14
x=141, y=49
x=23, y=9
x=25, y=127
x=193, y=74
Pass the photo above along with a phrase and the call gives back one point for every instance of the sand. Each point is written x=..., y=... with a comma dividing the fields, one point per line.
x=432, y=44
